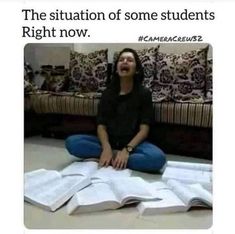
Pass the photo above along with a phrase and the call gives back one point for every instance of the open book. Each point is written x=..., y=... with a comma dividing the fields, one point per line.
x=178, y=197
x=49, y=190
x=112, y=194
x=91, y=169
x=190, y=165
x=189, y=173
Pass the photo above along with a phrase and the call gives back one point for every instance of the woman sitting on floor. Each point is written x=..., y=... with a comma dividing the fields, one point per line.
x=124, y=119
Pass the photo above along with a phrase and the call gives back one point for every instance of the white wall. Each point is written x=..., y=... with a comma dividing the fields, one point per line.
x=55, y=54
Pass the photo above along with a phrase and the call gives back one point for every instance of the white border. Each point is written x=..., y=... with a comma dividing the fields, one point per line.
x=218, y=33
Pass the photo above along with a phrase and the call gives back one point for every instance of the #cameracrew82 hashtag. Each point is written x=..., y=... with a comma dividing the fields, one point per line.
x=195, y=38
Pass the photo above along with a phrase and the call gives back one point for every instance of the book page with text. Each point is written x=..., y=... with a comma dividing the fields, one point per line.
x=183, y=191
x=188, y=175
x=96, y=193
x=80, y=168
x=189, y=165
x=169, y=202
x=54, y=193
x=203, y=193
x=39, y=177
x=132, y=187
x=109, y=173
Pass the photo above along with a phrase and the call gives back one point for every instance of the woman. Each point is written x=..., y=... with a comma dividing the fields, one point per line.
x=124, y=118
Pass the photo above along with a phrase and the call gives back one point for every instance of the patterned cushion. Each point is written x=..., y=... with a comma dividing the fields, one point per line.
x=148, y=60
x=209, y=81
x=56, y=78
x=163, y=80
x=29, y=85
x=88, y=71
x=189, y=76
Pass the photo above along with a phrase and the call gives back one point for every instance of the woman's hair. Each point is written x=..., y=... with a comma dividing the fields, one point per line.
x=111, y=94
x=138, y=76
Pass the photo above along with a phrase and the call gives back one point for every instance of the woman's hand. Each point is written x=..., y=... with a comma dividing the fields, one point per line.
x=106, y=157
x=120, y=161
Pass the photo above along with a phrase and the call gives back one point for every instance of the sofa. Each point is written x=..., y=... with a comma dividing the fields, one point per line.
x=181, y=84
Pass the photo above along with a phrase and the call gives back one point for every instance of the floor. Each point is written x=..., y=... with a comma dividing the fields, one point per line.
x=51, y=154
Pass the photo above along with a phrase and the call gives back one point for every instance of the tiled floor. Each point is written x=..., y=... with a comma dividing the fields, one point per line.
x=51, y=154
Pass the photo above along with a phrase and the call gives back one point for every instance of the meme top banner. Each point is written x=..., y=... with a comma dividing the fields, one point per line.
x=34, y=19
x=81, y=15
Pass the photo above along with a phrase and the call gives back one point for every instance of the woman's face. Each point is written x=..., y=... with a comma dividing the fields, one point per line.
x=126, y=66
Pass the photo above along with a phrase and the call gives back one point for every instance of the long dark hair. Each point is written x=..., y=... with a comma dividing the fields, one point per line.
x=138, y=76
x=111, y=94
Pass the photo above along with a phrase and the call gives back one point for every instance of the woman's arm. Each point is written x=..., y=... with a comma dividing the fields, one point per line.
x=140, y=136
x=106, y=155
x=103, y=136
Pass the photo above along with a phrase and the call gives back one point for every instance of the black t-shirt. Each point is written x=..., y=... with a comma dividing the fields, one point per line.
x=123, y=116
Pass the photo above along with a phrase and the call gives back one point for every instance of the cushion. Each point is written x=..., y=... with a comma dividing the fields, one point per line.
x=54, y=78
x=88, y=71
x=29, y=85
x=148, y=60
x=163, y=79
x=209, y=83
x=189, y=76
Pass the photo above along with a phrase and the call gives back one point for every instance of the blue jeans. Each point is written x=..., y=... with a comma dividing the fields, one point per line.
x=146, y=156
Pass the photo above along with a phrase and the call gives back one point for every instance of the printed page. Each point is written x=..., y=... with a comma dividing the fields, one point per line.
x=109, y=173
x=203, y=193
x=96, y=193
x=97, y=196
x=182, y=191
x=159, y=185
x=80, y=168
x=132, y=188
x=39, y=177
x=54, y=193
x=168, y=202
x=189, y=165
x=187, y=175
